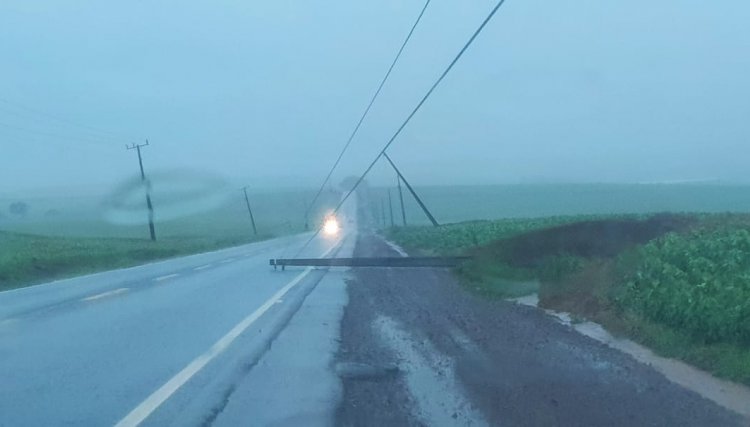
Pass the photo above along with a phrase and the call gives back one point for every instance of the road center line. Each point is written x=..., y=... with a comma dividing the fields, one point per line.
x=148, y=406
x=168, y=276
x=106, y=294
x=202, y=267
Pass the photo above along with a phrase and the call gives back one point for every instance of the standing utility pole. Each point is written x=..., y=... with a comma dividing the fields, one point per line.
x=390, y=206
x=250, y=211
x=382, y=212
x=401, y=197
x=150, y=206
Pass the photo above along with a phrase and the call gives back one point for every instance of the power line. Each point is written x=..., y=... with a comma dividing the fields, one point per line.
x=92, y=141
x=409, y=117
x=112, y=135
x=367, y=110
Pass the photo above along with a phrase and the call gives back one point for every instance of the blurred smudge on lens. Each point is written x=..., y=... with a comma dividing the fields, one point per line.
x=174, y=194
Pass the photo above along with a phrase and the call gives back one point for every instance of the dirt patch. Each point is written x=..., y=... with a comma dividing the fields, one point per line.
x=589, y=239
x=584, y=292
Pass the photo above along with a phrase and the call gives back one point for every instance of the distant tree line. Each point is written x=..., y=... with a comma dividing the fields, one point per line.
x=19, y=209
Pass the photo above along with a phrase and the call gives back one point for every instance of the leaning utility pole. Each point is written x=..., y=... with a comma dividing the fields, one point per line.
x=250, y=211
x=411, y=190
x=150, y=206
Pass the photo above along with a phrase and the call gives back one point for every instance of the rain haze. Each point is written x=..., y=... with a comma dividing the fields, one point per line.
x=390, y=212
x=266, y=93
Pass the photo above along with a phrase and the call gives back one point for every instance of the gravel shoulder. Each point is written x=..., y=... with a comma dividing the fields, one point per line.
x=414, y=336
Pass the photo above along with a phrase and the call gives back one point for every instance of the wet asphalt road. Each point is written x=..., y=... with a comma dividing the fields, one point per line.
x=222, y=339
x=185, y=341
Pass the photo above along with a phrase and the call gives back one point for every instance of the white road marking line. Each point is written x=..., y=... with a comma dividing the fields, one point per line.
x=202, y=267
x=106, y=294
x=168, y=276
x=227, y=260
x=148, y=406
x=396, y=248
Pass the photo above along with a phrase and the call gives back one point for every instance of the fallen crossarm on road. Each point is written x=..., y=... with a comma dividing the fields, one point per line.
x=452, y=261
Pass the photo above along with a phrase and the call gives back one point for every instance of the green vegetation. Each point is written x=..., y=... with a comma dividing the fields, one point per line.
x=697, y=282
x=28, y=259
x=679, y=284
x=77, y=239
x=452, y=204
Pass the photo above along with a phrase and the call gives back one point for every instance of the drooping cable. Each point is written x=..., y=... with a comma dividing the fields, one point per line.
x=409, y=117
x=367, y=110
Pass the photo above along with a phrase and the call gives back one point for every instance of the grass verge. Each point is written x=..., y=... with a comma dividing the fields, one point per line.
x=27, y=259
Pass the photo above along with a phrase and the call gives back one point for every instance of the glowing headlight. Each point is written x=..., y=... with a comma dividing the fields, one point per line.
x=331, y=226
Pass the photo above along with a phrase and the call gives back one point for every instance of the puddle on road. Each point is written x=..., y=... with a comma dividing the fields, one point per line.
x=430, y=378
x=732, y=396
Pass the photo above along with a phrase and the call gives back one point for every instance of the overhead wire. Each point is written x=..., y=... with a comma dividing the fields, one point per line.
x=408, y=118
x=367, y=110
x=103, y=134
x=90, y=141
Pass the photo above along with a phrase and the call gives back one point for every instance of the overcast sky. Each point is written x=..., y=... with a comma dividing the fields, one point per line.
x=267, y=92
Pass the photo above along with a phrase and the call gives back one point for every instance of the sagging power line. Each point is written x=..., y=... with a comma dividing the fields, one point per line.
x=409, y=117
x=367, y=110
x=89, y=141
x=103, y=133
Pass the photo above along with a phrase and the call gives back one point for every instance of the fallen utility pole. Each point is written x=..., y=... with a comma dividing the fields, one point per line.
x=150, y=206
x=411, y=190
x=404, y=262
x=250, y=211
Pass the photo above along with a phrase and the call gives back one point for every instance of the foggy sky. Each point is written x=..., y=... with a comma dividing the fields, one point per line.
x=267, y=92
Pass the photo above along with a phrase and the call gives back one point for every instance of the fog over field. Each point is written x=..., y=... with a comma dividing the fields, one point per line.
x=266, y=93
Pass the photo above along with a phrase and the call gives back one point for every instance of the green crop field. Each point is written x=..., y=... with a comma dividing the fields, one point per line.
x=452, y=204
x=698, y=282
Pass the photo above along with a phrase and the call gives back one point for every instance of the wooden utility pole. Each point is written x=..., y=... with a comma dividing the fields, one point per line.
x=390, y=206
x=411, y=190
x=401, y=198
x=250, y=211
x=382, y=211
x=150, y=206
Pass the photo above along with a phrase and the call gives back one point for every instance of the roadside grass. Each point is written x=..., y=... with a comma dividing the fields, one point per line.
x=28, y=259
x=78, y=240
x=679, y=284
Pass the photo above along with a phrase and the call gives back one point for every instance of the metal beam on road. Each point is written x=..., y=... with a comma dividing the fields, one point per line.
x=453, y=261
